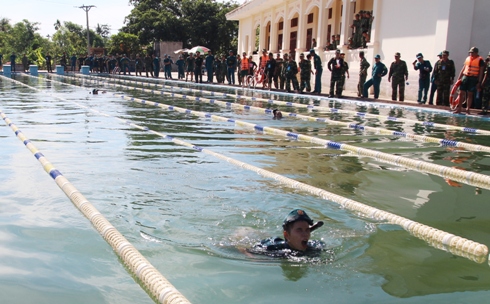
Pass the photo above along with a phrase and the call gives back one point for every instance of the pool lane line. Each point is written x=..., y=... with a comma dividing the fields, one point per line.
x=359, y=127
x=150, y=278
x=434, y=237
x=333, y=110
x=462, y=176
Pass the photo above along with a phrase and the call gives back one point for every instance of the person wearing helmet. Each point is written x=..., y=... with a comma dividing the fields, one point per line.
x=297, y=228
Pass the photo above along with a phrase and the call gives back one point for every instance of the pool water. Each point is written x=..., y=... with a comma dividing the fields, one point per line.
x=191, y=214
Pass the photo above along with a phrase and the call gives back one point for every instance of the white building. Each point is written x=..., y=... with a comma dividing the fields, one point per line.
x=405, y=26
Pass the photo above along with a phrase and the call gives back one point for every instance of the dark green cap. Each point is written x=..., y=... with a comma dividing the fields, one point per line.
x=300, y=215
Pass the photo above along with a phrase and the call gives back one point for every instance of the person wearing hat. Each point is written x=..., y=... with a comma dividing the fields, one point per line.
x=335, y=66
x=357, y=28
x=304, y=73
x=486, y=87
x=297, y=228
x=397, y=75
x=210, y=66
x=363, y=68
x=379, y=71
x=433, y=86
x=278, y=78
x=284, y=71
x=444, y=73
x=317, y=64
x=291, y=71
x=425, y=68
x=244, y=69
x=471, y=76
x=180, y=67
x=231, y=63
x=198, y=67
x=190, y=63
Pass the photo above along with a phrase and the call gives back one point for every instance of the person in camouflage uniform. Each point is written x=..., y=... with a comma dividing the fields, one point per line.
x=283, y=70
x=291, y=71
x=357, y=37
x=444, y=73
x=397, y=75
x=304, y=73
x=343, y=72
x=364, y=66
x=335, y=66
x=223, y=69
x=278, y=78
x=485, y=87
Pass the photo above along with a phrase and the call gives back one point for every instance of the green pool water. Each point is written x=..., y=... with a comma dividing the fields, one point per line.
x=189, y=213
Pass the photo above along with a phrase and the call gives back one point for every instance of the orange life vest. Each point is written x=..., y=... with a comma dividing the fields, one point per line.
x=245, y=64
x=472, y=66
x=263, y=61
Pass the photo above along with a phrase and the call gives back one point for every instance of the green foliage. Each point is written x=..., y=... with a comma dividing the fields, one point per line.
x=124, y=43
x=194, y=22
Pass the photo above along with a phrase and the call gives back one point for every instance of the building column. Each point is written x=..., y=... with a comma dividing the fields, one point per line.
x=375, y=26
x=321, y=38
x=347, y=20
x=262, y=31
x=285, y=30
x=301, y=37
x=274, y=33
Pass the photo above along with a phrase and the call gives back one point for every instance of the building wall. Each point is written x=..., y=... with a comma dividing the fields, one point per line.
x=405, y=26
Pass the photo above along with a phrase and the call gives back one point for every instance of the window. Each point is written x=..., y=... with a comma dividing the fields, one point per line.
x=330, y=13
x=310, y=18
x=294, y=22
x=281, y=25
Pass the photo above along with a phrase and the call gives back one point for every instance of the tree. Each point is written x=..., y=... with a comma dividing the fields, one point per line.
x=124, y=43
x=194, y=22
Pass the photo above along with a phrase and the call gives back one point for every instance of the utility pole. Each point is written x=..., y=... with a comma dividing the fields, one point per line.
x=86, y=8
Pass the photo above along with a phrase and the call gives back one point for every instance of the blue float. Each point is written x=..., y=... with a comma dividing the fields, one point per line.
x=33, y=70
x=60, y=70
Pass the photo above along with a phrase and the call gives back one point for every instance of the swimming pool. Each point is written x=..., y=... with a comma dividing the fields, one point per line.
x=187, y=212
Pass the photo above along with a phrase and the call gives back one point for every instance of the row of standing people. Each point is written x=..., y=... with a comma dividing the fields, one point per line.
x=280, y=71
x=473, y=79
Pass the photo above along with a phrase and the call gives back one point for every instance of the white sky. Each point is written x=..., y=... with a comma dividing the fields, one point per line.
x=46, y=12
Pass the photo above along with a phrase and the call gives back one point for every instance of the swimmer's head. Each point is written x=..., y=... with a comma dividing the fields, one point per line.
x=300, y=215
x=297, y=228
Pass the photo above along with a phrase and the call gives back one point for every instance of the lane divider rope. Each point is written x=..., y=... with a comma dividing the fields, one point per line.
x=434, y=237
x=334, y=110
x=359, y=127
x=152, y=280
x=462, y=176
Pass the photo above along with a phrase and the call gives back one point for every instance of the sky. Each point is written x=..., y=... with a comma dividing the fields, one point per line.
x=46, y=12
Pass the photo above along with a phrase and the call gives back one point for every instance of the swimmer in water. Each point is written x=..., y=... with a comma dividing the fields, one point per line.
x=277, y=114
x=297, y=228
x=96, y=91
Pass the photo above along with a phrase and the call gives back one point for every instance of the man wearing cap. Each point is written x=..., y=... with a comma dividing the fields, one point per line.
x=397, y=76
x=231, y=63
x=344, y=71
x=291, y=71
x=471, y=76
x=486, y=87
x=304, y=73
x=284, y=70
x=379, y=71
x=317, y=64
x=244, y=69
x=357, y=27
x=425, y=68
x=444, y=73
x=433, y=85
x=278, y=79
x=363, y=68
x=210, y=66
x=335, y=67
x=297, y=228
